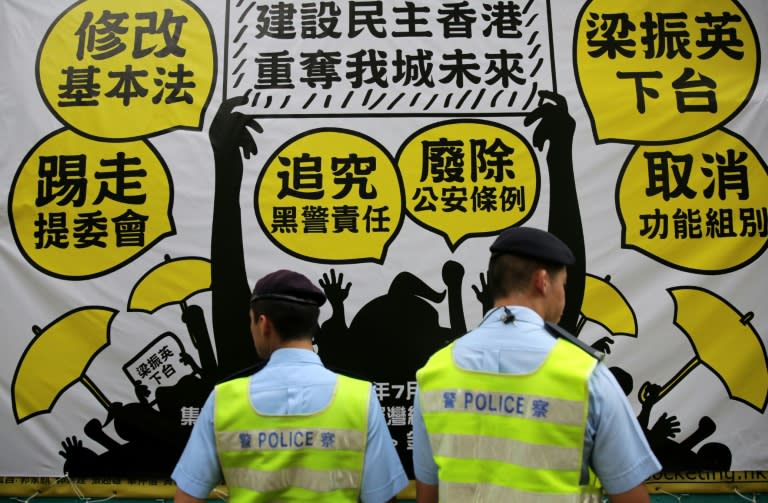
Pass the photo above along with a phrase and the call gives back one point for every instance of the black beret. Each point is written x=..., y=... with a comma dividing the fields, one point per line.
x=289, y=286
x=533, y=243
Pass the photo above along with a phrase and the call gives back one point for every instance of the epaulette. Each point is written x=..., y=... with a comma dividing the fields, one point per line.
x=560, y=333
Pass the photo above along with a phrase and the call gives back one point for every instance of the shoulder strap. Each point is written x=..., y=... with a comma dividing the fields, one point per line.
x=560, y=333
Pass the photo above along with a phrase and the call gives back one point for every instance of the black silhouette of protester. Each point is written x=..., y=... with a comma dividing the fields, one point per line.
x=393, y=335
x=680, y=456
x=557, y=127
x=150, y=437
x=154, y=438
x=150, y=442
x=675, y=456
x=230, y=136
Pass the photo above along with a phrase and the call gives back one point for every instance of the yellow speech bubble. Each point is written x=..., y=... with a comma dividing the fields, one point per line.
x=653, y=72
x=697, y=206
x=331, y=195
x=468, y=178
x=125, y=70
x=79, y=208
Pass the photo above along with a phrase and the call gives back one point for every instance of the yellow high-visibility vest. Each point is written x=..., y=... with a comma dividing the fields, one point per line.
x=310, y=457
x=508, y=437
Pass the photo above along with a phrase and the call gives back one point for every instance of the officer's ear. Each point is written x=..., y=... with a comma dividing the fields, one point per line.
x=267, y=327
x=541, y=281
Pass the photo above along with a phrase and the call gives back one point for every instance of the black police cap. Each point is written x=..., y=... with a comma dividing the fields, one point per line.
x=288, y=286
x=533, y=243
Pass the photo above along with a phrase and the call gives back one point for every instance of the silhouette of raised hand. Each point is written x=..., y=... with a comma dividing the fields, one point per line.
x=556, y=124
x=334, y=291
x=665, y=427
x=79, y=460
x=332, y=336
x=229, y=134
x=229, y=131
x=483, y=294
x=603, y=345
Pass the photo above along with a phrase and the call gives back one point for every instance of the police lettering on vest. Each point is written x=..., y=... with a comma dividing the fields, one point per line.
x=495, y=403
x=287, y=439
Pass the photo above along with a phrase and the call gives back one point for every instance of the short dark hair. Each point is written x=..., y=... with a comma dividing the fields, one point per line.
x=292, y=320
x=512, y=273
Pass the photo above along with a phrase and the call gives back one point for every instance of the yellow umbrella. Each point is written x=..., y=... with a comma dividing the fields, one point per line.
x=57, y=358
x=724, y=341
x=171, y=282
x=605, y=305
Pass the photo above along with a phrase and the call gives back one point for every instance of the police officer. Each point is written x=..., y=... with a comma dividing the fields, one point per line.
x=519, y=410
x=294, y=430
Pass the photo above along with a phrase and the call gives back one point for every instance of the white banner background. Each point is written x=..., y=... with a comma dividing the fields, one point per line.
x=32, y=298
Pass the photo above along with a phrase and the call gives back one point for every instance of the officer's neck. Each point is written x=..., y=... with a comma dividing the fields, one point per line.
x=534, y=296
x=295, y=344
x=533, y=303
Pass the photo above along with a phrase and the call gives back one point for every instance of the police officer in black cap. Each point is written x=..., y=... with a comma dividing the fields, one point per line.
x=293, y=430
x=493, y=407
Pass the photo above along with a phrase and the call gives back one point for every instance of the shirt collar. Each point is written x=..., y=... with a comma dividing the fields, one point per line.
x=293, y=355
x=520, y=313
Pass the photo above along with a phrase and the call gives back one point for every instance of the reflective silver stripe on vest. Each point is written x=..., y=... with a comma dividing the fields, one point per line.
x=506, y=450
x=504, y=404
x=312, y=480
x=463, y=493
x=291, y=438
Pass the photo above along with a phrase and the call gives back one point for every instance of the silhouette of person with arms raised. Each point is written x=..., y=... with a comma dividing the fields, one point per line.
x=675, y=456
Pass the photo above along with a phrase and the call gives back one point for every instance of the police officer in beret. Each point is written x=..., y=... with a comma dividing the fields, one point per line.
x=293, y=431
x=519, y=410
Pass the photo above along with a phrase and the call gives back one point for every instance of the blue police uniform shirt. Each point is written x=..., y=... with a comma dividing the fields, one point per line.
x=294, y=381
x=615, y=446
